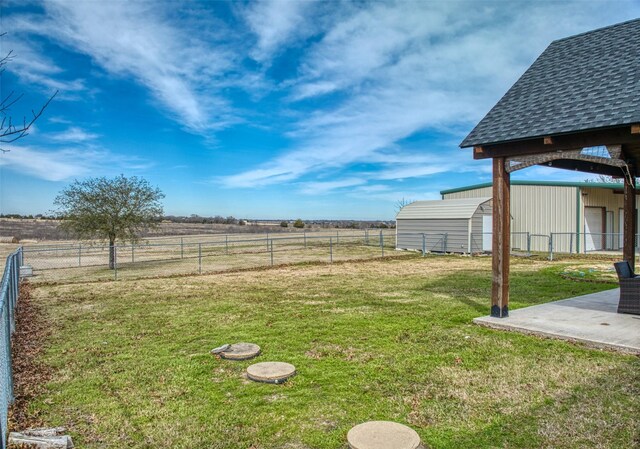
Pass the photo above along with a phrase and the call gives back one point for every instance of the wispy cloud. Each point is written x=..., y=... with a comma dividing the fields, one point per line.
x=73, y=134
x=275, y=23
x=67, y=163
x=38, y=70
x=401, y=68
x=134, y=39
x=323, y=187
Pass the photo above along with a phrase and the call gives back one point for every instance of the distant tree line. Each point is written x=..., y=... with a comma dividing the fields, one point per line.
x=230, y=220
x=194, y=218
x=354, y=224
x=30, y=217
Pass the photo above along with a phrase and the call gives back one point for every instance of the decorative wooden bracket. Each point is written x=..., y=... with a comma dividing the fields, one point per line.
x=609, y=155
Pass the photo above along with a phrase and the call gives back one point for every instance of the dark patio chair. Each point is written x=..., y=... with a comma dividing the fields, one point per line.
x=629, y=289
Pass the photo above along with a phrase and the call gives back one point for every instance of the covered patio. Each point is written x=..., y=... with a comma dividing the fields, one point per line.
x=590, y=319
x=576, y=108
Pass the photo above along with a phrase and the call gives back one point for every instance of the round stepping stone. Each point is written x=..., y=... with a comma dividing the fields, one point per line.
x=271, y=372
x=383, y=435
x=240, y=351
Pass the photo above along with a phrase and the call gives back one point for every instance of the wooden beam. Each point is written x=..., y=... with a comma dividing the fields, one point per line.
x=586, y=167
x=548, y=140
x=635, y=129
x=621, y=192
x=478, y=151
x=501, y=239
x=613, y=136
x=628, y=246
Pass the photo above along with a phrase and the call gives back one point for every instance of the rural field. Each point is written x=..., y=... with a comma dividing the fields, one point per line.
x=127, y=363
x=198, y=254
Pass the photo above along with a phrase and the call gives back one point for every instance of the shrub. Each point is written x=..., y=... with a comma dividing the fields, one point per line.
x=298, y=224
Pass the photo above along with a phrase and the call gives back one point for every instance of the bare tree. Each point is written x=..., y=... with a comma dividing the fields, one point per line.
x=605, y=179
x=401, y=203
x=10, y=129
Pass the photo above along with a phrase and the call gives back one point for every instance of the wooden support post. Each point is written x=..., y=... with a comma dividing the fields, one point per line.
x=501, y=239
x=628, y=247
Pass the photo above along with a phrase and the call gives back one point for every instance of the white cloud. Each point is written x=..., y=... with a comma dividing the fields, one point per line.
x=322, y=187
x=73, y=134
x=66, y=163
x=401, y=68
x=39, y=70
x=276, y=22
x=133, y=39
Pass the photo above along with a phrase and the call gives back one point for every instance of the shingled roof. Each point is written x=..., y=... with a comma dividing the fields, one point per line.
x=583, y=82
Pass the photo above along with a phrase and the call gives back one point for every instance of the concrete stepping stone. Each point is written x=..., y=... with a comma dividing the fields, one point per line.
x=383, y=435
x=237, y=351
x=271, y=372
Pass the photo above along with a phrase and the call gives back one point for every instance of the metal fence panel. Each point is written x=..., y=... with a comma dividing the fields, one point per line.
x=9, y=293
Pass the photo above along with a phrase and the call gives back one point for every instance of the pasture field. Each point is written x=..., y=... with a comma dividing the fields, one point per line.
x=198, y=254
x=38, y=229
x=127, y=363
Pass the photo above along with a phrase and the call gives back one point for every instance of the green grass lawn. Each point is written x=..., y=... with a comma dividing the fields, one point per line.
x=379, y=340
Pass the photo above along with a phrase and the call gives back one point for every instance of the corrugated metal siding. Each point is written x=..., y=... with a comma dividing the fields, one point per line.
x=476, y=221
x=539, y=210
x=486, y=192
x=612, y=202
x=439, y=209
x=409, y=234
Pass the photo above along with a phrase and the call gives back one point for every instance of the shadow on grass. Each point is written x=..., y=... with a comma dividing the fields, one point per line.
x=472, y=288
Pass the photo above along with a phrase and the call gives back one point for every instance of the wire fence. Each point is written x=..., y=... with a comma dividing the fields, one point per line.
x=184, y=256
x=9, y=293
x=79, y=262
x=523, y=242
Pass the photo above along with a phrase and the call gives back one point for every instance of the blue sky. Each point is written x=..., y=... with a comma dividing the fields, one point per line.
x=273, y=109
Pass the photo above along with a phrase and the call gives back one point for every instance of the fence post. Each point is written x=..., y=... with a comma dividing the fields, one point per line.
x=8, y=355
x=366, y=237
x=181, y=248
x=199, y=258
x=271, y=252
x=79, y=254
x=11, y=294
x=571, y=243
x=337, y=237
x=330, y=249
x=226, y=243
x=444, y=243
x=304, y=233
x=424, y=245
x=551, y=246
x=115, y=262
x=382, y=242
x=528, y=242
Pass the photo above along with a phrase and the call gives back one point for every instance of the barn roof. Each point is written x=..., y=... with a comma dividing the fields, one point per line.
x=580, y=83
x=585, y=184
x=441, y=209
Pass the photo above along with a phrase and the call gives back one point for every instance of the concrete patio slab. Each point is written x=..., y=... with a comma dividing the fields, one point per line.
x=590, y=319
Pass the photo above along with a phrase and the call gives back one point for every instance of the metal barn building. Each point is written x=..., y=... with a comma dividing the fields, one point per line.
x=582, y=216
x=450, y=225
